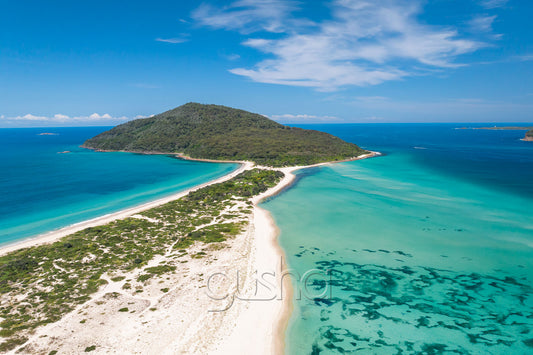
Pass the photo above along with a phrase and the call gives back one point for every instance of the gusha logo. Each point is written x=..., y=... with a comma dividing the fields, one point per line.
x=267, y=286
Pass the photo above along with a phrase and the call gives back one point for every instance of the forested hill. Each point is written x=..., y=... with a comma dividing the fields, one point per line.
x=224, y=133
x=529, y=135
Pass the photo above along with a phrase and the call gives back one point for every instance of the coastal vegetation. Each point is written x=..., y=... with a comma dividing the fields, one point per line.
x=39, y=285
x=224, y=133
x=529, y=135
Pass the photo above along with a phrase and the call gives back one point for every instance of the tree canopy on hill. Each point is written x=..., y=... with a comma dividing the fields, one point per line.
x=529, y=133
x=224, y=133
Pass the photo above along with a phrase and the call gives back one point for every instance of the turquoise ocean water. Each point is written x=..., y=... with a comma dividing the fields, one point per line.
x=42, y=189
x=426, y=250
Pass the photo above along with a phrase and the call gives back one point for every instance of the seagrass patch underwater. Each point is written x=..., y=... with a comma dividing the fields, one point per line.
x=422, y=259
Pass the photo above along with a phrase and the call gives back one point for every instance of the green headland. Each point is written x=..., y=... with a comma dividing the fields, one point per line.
x=224, y=133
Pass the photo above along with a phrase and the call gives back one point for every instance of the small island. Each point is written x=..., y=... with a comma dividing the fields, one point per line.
x=529, y=136
x=223, y=133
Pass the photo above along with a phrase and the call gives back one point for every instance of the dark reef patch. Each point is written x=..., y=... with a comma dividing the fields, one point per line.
x=392, y=310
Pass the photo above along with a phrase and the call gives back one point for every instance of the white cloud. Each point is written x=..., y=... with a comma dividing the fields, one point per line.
x=172, y=40
x=362, y=44
x=482, y=23
x=96, y=116
x=524, y=58
x=60, y=118
x=248, y=16
x=30, y=117
x=492, y=4
x=141, y=116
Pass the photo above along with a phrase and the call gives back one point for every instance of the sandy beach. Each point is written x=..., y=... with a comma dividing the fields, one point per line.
x=217, y=305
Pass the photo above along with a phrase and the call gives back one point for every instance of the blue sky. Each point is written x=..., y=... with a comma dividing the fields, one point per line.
x=104, y=62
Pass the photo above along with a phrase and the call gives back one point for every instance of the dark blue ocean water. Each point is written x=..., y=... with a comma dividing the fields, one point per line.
x=42, y=189
x=497, y=158
x=426, y=250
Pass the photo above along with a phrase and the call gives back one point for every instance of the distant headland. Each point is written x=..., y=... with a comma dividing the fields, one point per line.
x=504, y=128
x=222, y=133
x=528, y=137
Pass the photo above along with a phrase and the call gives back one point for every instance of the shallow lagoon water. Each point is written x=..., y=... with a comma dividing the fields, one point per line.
x=416, y=258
